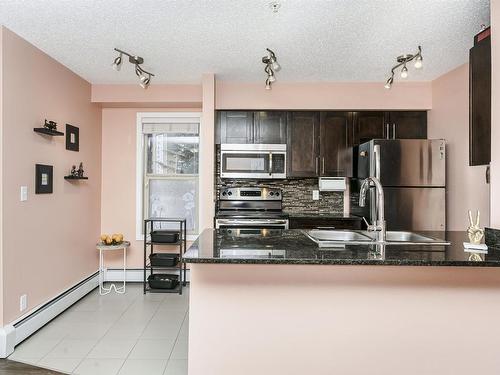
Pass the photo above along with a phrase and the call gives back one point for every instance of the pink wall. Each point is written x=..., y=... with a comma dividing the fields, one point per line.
x=118, y=198
x=48, y=241
x=328, y=95
x=349, y=320
x=495, y=114
x=160, y=96
x=449, y=119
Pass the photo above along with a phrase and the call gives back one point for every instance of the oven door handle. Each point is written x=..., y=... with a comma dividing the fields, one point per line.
x=251, y=222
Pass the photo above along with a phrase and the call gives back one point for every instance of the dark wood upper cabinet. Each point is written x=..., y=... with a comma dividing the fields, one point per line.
x=407, y=125
x=369, y=125
x=251, y=127
x=480, y=100
x=303, y=144
x=270, y=127
x=335, y=141
x=235, y=126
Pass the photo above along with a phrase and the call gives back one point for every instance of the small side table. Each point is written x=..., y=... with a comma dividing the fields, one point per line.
x=102, y=249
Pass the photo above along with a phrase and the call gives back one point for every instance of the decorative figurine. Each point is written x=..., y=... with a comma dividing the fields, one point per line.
x=74, y=172
x=474, y=232
x=80, y=170
x=51, y=125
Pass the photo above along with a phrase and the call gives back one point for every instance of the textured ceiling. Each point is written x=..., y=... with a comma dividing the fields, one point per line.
x=315, y=40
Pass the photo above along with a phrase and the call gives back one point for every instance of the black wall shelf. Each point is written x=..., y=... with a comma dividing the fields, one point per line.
x=75, y=178
x=46, y=131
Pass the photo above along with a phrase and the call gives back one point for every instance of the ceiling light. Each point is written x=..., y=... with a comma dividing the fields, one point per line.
x=403, y=60
x=418, y=62
x=144, y=76
x=389, y=82
x=404, y=72
x=271, y=66
x=117, y=64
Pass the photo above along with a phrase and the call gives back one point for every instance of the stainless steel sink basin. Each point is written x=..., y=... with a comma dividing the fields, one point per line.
x=332, y=238
x=338, y=235
x=407, y=237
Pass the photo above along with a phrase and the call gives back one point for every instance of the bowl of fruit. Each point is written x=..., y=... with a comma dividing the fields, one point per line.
x=115, y=239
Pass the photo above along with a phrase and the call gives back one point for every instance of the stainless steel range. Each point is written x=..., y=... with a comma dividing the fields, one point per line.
x=249, y=210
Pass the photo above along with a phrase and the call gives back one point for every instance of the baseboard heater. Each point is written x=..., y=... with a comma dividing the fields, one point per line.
x=16, y=332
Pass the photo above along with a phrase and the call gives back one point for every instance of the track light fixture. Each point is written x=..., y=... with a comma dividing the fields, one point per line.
x=144, y=76
x=272, y=66
x=402, y=61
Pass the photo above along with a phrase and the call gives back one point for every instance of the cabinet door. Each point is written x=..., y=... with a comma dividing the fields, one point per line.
x=270, y=127
x=408, y=125
x=336, y=155
x=369, y=125
x=236, y=126
x=480, y=103
x=303, y=144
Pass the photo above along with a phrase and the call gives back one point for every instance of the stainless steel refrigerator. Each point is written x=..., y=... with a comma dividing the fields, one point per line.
x=413, y=174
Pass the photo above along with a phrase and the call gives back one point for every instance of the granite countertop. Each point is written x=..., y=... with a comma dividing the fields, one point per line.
x=327, y=215
x=294, y=247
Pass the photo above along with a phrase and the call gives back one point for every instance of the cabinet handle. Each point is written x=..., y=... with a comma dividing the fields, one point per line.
x=393, y=131
x=323, y=165
x=387, y=131
x=317, y=164
x=270, y=164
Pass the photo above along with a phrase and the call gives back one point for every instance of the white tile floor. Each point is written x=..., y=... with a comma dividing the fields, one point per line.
x=114, y=334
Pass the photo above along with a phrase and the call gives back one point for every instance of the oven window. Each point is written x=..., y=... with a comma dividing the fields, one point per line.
x=258, y=163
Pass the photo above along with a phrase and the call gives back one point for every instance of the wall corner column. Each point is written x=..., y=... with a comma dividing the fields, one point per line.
x=207, y=155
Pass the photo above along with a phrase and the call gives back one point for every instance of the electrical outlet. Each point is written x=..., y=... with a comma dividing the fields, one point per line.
x=23, y=302
x=315, y=195
x=24, y=193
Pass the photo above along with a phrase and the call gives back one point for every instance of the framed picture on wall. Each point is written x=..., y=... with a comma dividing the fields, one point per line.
x=72, y=138
x=43, y=179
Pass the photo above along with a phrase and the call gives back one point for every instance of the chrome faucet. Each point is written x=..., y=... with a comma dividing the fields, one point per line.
x=379, y=224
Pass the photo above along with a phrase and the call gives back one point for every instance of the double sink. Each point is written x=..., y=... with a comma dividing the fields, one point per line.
x=332, y=238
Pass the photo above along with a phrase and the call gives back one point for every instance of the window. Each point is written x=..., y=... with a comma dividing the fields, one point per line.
x=170, y=147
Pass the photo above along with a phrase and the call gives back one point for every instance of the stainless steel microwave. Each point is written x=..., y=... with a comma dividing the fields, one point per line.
x=253, y=161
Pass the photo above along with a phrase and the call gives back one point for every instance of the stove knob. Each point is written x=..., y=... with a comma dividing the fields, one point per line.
x=277, y=193
x=229, y=193
x=224, y=193
x=271, y=193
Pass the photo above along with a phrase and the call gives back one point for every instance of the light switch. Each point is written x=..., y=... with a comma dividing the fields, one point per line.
x=315, y=195
x=24, y=193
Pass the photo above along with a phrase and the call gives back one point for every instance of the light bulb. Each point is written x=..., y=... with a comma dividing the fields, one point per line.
x=144, y=81
x=418, y=62
x=404, y=72
x=117, y=64
x=276, y=66
x=388, y=83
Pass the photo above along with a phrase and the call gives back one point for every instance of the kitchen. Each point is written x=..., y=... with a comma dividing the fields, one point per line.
x=314, y=179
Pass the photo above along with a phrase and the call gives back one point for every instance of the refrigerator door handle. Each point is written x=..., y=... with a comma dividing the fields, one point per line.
x=393, y=131
x=387, y=131
x=376, y=154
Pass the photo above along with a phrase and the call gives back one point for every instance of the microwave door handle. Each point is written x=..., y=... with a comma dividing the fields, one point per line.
x=270, y=164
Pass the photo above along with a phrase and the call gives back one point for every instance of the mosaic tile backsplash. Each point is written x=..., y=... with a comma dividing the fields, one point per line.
x=297, y=193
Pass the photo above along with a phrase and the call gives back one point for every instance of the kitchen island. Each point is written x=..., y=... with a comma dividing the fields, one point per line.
x=276, y=303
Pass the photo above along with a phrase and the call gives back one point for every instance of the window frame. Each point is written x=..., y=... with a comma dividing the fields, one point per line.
x=141, y=203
